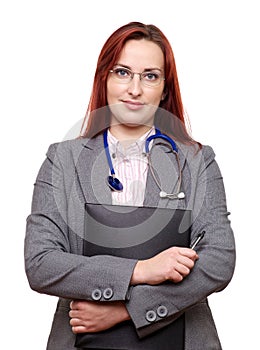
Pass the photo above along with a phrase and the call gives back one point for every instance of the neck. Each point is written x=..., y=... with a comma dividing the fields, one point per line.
x=126, y=133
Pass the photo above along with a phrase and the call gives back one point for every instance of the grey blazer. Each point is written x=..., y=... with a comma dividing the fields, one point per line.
x=73, y=173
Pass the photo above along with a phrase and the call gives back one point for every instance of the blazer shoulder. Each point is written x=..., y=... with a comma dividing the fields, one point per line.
x=207, y=151
x=194, y=152
x=208, y=154
x=66, y=144
x=66, y=148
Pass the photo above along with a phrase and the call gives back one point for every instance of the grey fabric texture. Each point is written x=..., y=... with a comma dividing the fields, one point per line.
x=73, y=173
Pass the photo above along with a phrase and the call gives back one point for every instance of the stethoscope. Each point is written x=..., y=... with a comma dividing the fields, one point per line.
x=116, y=185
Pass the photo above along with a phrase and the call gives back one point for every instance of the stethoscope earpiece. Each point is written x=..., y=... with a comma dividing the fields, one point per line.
x=163, y=194
x=180, y=195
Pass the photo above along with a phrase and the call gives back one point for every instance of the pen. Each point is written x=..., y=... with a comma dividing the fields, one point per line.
x=197, y=240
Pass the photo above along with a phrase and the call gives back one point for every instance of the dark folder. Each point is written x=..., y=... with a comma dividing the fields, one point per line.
x=135, y=233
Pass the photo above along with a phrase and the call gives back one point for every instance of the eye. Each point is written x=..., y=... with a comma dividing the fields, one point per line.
x=121, y=72
x=151, y=76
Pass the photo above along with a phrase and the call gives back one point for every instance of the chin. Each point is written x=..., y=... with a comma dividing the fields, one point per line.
x=133, y=125
x=136, y=124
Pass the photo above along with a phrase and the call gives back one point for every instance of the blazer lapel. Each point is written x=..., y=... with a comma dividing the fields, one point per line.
x=92, y=169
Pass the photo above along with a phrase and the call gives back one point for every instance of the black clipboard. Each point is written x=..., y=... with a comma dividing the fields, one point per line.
x=134, y=233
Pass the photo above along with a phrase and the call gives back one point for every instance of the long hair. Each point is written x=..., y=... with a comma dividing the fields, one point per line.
x=170, y=117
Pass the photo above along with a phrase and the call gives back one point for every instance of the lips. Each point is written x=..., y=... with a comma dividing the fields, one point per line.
x=133, y=105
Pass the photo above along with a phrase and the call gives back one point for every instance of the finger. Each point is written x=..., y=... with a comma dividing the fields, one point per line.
x=189, y=253
x=188, y=262
x=182, y=270
x=75, y=304
x=75, y=322
x=176, y=277
x=74, y=313
x=79, y=329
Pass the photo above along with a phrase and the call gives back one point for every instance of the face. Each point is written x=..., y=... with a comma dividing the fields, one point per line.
x=133, y=104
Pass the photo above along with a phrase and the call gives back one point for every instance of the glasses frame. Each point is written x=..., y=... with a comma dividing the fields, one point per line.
x=132, y=74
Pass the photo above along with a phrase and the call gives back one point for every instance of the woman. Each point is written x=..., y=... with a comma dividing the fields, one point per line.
x=135, y=96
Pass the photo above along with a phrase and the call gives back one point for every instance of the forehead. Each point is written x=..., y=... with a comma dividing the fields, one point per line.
x=141, y=54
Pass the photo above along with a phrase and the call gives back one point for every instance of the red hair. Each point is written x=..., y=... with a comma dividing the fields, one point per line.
x=170, y=117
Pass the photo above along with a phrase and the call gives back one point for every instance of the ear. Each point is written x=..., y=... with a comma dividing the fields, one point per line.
x=164, y=94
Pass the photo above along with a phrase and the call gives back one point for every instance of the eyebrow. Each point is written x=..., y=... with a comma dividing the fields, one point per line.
x=145, y=70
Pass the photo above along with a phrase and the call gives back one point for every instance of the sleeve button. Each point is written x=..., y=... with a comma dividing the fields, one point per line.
x=108, y=293
x=150, y=316
x=162, y=311
x=96, y=294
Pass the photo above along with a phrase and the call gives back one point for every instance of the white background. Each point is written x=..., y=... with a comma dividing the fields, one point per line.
x=48, y=56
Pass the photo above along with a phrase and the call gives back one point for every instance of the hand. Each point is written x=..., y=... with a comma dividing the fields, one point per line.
x=92, y=316
x=172, y=264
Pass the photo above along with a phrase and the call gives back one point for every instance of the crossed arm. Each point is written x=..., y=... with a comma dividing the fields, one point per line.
x=47, y=245
x=172, y=264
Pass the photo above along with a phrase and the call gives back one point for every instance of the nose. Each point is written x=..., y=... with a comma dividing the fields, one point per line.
x=135, y=86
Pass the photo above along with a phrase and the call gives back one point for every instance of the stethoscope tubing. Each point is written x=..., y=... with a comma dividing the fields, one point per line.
x=109, y=160
x=158, y=134
x=116, y=185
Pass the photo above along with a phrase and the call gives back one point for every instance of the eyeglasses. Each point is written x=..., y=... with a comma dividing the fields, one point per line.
x=124, y=75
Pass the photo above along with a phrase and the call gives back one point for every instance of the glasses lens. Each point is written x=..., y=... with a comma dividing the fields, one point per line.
x=122, y=74
x=149, y=78
x=152, y=78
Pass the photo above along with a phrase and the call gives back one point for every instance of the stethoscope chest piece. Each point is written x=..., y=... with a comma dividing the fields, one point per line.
x=114, y=184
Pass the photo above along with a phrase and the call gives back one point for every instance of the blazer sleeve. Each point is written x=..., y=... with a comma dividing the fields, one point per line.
x=215, y=267
x=51, y=266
